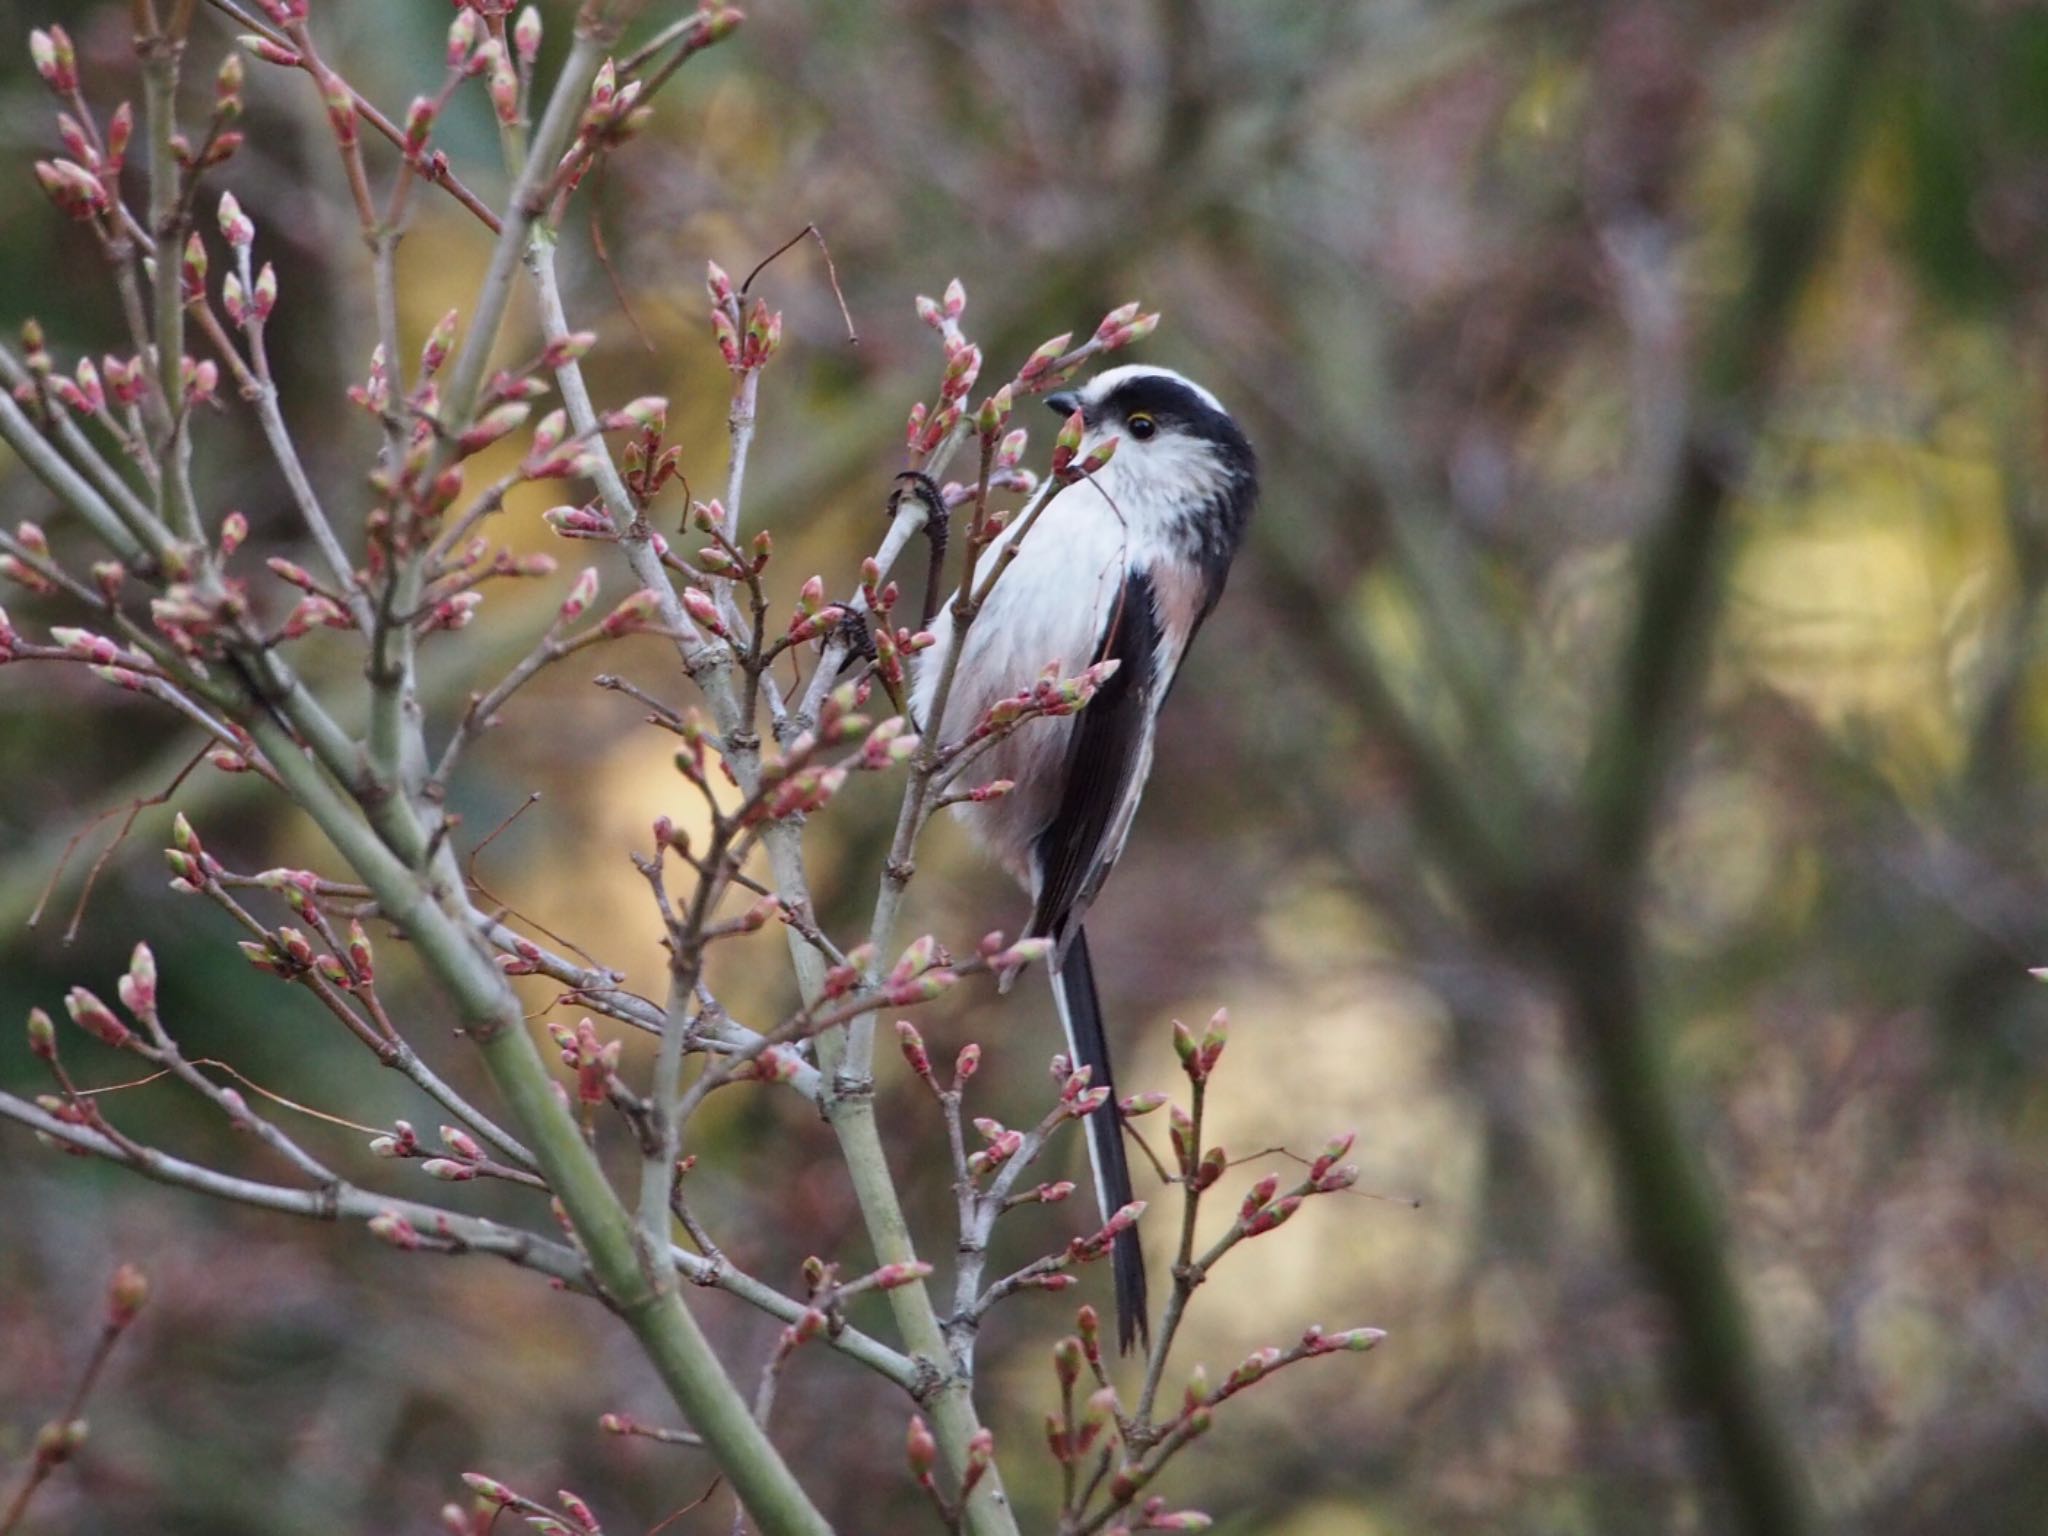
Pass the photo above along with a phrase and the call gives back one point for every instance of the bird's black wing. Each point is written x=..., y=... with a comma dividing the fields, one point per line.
x=1107, y=759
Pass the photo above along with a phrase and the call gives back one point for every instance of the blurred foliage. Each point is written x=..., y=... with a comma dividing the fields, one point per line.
x=1447, y=263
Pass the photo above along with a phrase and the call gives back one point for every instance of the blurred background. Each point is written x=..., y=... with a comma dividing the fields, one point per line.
x=1610, y=785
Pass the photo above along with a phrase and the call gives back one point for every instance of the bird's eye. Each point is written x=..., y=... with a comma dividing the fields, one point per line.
x=1142, y=426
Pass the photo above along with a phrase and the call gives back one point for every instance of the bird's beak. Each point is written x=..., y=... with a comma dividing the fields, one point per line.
x=1064, y=401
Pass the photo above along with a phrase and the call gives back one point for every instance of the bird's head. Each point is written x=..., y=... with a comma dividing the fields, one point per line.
x=1179, y=452
x=1166, y=423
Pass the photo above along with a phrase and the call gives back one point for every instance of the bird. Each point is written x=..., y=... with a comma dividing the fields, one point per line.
x=1122, y=564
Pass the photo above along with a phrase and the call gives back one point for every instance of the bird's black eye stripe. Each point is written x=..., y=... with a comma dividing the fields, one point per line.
x=1172, y=407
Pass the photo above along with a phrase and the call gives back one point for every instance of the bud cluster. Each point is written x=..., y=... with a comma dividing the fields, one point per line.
x=1050, y=697
x=595, y=1062
x=746, y=337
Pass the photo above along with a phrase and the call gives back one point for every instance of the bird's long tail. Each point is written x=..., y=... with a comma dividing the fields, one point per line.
x=1073, y=987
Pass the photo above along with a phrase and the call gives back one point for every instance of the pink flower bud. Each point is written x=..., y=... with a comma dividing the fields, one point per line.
x=994, y=412
x=1214, y=1039
x=1083, y=1249
x=1003, y=1145
x=760, y=914
x=1044, y=357
x=1101, y=1408
x=1099, y=457
x=966, y=1064
x=891, y=1276
x=1272, y=1216
x=236, y=227
x=920, y=1448
x=526, y=36
x=1068, y=443
x=727, y=336
x=1259, y=1196
x=55, y=60
x=267, y=51
x=83, y=642
x=1137, y=330
x=126, y=1294
x=341, y=111
x=649, y=412
x=1116, y=319
x=89, y=377
x=503, y=88
x=581, y=594
x=461, y=1143
x=1335, y=1148
x=234, y=529
x=703, y=611
x=1020, y=954
x=452, y=613
x=1066, y=1360
x=1331, y=1180
x=580, y=522
x=463, y=33
x=76, y=191
x=763, y=335
x=42, y=1036
x=567, y=349
x=548, y=436
x=25, y=576
x=297, y=575
x=72, y=134
x=359, y=954
x=200, y=378
x=718, y=284
x=137, y=989
x=120, y=127
x=1355, y=1340
x=227, y=87
x=490, y=1490
x=260, y=957
x=924, y=952
x=96, y=1018
x=962, y=369
x=1180, y=1131
x=981, y=1445
x=492, y=425
x=911, y=1043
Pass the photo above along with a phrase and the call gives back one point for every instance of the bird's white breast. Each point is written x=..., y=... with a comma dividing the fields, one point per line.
x=1051, y=604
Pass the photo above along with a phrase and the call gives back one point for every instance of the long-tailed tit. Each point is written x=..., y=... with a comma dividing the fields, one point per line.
x=1125, y=563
